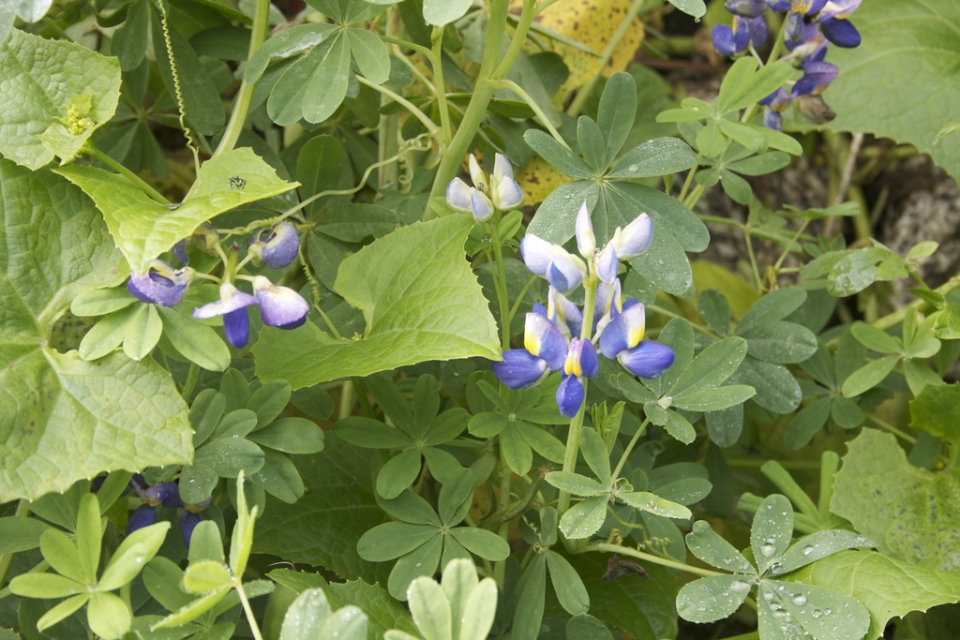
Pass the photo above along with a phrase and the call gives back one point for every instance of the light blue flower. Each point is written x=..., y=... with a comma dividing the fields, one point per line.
x=280, y=247
x=280, y=307
x=232, y=305
x=163, y=285
x=622, y=339
x=504, y=190
x=561, y=269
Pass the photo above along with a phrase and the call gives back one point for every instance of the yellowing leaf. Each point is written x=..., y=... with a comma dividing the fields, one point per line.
x=538, y=180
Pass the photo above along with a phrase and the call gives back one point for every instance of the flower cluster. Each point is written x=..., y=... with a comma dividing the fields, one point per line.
x=561, y=337
x=807, y=28
x=166, y=494
x=488, y=193
x=280, y=307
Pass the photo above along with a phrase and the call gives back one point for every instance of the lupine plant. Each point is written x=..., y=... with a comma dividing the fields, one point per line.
x=378, y=319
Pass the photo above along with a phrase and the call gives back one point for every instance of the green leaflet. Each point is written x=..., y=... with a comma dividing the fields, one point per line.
x=418, y=306
x=143, y=229
x=134, y=406
x=56, y=94
x=906, y=47
x=881, y=584
x=911, y=513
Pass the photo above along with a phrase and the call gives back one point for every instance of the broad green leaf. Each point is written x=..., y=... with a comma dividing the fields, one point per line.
x=441, y=12
x=780, y=342
x=410, y=312
x=710, y=140
x=206, y=575
x=56, y=94
x=532, y=589
x=712, y=598
x=869, y=375
x=45, y=585
x=327, y=86
x=478, y=611
x=796, y=610
x=100, y=302
x=280, y=478
x=807, y=422
x=819, y=545
x=725, y=426
x=108, y=615
x=888, y=587
x=556, y=216
x=430, y=609
x=936, y=410
x=586, y=627
x=695, y=8
x=772, y=530
x=290, y=435
x=348, y=623
x=195, y=342
x=575, y=483
x=584, y=518
x=19, y=533
x=134, y=552
x=142, y=332
x=595, y=453
x=481, y=542
x=339, y=508
x=61, y=611
x=906, y=510
x=515, y=450
x=422, y=561
x=715, y=398
x=875, y=339
x=592, y=144
x=567, y=584
x=285, y=44
x=910, y=57
x=774, y=306
x=62, y=555
x=144, y=229
x=660, y=157
x=777, y=389
x=712, y=366
x=744, y=84
x=680, y=428
x=129, y=42
x=559, y=156
x=134, y=406
x=306, y=616
x=713, y=549
x=617, y=112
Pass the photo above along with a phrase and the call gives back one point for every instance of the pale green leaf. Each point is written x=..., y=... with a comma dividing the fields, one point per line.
x=441, y=12
x=712, y=598
x=144, y=229
x=55, y=95
x=417, y=307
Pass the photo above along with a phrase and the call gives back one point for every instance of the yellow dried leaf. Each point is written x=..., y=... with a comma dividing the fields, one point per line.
x=538, y=179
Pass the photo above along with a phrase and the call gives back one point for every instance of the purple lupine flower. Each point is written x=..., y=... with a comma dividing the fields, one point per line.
x=817, y=76
x=188, y=522
x=774, y=105
x=581, y=362
x=622, y=339
x=280, y=307
x=163, y=285
x=745, y=31
x=834, y=23
x=280, y=247
x=545, y=349
x=232, y=305
x=561, y=269
x=143, y=516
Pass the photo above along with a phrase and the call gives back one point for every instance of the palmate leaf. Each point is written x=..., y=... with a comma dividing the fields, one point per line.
x=418, y=306
x=45, y=83
x=54, y=405
x=143, y=228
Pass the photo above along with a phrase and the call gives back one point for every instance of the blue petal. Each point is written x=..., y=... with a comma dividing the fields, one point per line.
x=841, y=33
x=480, y=206
x=745, y=8
x=570, y=396
x=165, y=493
x=519, y=368
x=607, y=264
x=564, y=274
x=648, y=359
x=624, y=332
x=757, y=27
x=543, y=340
x=279, y=306
x=793, y=30
x=817, y=76
x=236, y=326
x=589, y=361
x=581, y=359
x=156, y=289
x=188, y=522
x=280, y=248
x=772, y=119
x=634, y=239
x=179, y=250
x=542, y=310
x=143, y=516
x=779, y=5
x=723, y=40
x=564, y=313
x=230, y=300
x=537, y=254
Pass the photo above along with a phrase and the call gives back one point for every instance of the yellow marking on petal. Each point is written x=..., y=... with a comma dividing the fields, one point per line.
x=531, y=342
x=571, y=367
x=635, y=335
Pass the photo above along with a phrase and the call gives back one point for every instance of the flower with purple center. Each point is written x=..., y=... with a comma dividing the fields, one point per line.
x=163, y=285
x=622, y=339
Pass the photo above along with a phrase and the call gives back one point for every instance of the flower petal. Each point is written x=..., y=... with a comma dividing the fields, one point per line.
x=519, y=369
x=164, y=285
x=586, y=240
x=280, y=248
x=480, y=206
x=188, y=522
x=458, y=195
x=279, y=306
x=477, y=175
x=502, y=168
x=230, y=300
x=565, y=314
x=817, y=76
x=543, y=340
x=841, y=33
x=581, y=359
x=723, y=40
x=624, y=332
x=570, y=395
x=648, y=359
x=236, y=326
x=165, y=493
x=143, y=516
x=634, y=239
x=607, y=264
x=537, y=254
x=566, y=272
x=507, y=195
x=745, y=8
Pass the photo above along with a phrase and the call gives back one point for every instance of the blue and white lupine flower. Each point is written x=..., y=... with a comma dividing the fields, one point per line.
x=834, y=23
x=163, y=285
x=622, y=339
x=561, y=269
x=586, y=240
x=280, y=248
x=607, y=264
x=504, y=190
x=563, y=313
x=545, y=349
x=498, y=191
x=232, y=305
x=634, y=239
x=280, y=307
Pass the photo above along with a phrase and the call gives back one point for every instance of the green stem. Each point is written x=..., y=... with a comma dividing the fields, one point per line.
x=241, y=106
x=520, y=298
x=6, y=559
x=360, y=389
x=409, y=106
x=886, y=426
x=503, y=502
x=191, y=382
x=629, y=449
x=753, y=259
x=328, y=322
x=686, y=183
x=251, y=619
x=527, y=14
x=129, y=175
x=572, y=450
x=346, y=399
x=584, y=93
x=789, y=246
x=694, y=196
x=517, y=89
x=605, y=547
x=437, y=62
x=503, y=295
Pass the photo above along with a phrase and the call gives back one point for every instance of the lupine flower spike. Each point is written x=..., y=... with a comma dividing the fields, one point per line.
x=555, y=338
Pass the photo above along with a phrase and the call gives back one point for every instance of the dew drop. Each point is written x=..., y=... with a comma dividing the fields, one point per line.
x=807, y=550
x=633, y=167
x=419, y=564
x=740, y=586
x=817, y=613
x=827, y=611
x=799, y=599
x=768, y=596
x=767, y=550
